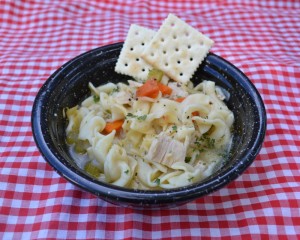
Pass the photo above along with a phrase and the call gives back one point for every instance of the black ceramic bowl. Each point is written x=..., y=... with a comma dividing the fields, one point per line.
x=68, y=86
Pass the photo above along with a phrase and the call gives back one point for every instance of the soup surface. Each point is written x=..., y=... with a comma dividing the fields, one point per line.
x=152, y=135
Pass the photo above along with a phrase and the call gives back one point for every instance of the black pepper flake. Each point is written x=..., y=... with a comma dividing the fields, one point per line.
x=129, y=99
x=210, y=103
x=188, y=117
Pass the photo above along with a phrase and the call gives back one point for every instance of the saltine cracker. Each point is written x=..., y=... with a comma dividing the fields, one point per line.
x=130, y=61
x=177, y=49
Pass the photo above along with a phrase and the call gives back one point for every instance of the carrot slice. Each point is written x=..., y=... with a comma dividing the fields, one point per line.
x=148, y=89
x=180, y=99
x=165, y=90
x=115, y=125
x=196, y=113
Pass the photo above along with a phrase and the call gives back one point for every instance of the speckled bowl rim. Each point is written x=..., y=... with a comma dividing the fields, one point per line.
x=113, y=193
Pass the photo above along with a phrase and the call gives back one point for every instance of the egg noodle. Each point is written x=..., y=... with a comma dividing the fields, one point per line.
x=166, y=141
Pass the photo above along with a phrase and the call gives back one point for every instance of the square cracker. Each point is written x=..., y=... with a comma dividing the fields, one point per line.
x=177, y=49
x=130, y=61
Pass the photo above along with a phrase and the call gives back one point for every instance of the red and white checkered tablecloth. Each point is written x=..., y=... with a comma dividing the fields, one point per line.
x=262, y=38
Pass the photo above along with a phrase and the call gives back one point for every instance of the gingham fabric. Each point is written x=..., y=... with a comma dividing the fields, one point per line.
x=262, y=38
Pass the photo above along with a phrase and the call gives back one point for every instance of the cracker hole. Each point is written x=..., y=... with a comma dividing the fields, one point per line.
x=166, y=64
x=186, y=34
x=143, y=69
x=164, y=52
x=136, y=33
x=131, y=49
x=178, y=62
x=126, y=64
x=174, y=37
x=137, y=59
x=142, y=44
x=162, y=39
x=189, y=46
x=191, y=59
x=152, y=54
x=176, y=49
x=181, y=74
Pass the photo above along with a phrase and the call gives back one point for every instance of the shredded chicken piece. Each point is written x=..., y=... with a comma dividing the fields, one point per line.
x=166, y=151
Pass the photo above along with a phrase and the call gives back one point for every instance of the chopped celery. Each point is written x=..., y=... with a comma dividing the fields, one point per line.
x=81, y=146
x=74, y=118
x=93, y=170
x=72, y=137
x=155, y=74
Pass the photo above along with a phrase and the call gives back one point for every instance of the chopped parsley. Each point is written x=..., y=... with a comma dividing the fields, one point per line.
x=210, y=142
x=130, y=115
x=174, y=128
x=127, y=171
x=96, y=98
x=157, y=181
x=116, y=89
x=198, y=148
x=187, y=159
x=205, y=141
x=190, y=179
x=140, y=118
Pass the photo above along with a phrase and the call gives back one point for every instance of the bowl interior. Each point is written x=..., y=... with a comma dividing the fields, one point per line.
x=68, y=86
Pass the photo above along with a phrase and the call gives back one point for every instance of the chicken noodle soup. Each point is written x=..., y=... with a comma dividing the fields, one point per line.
x=150, y=135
